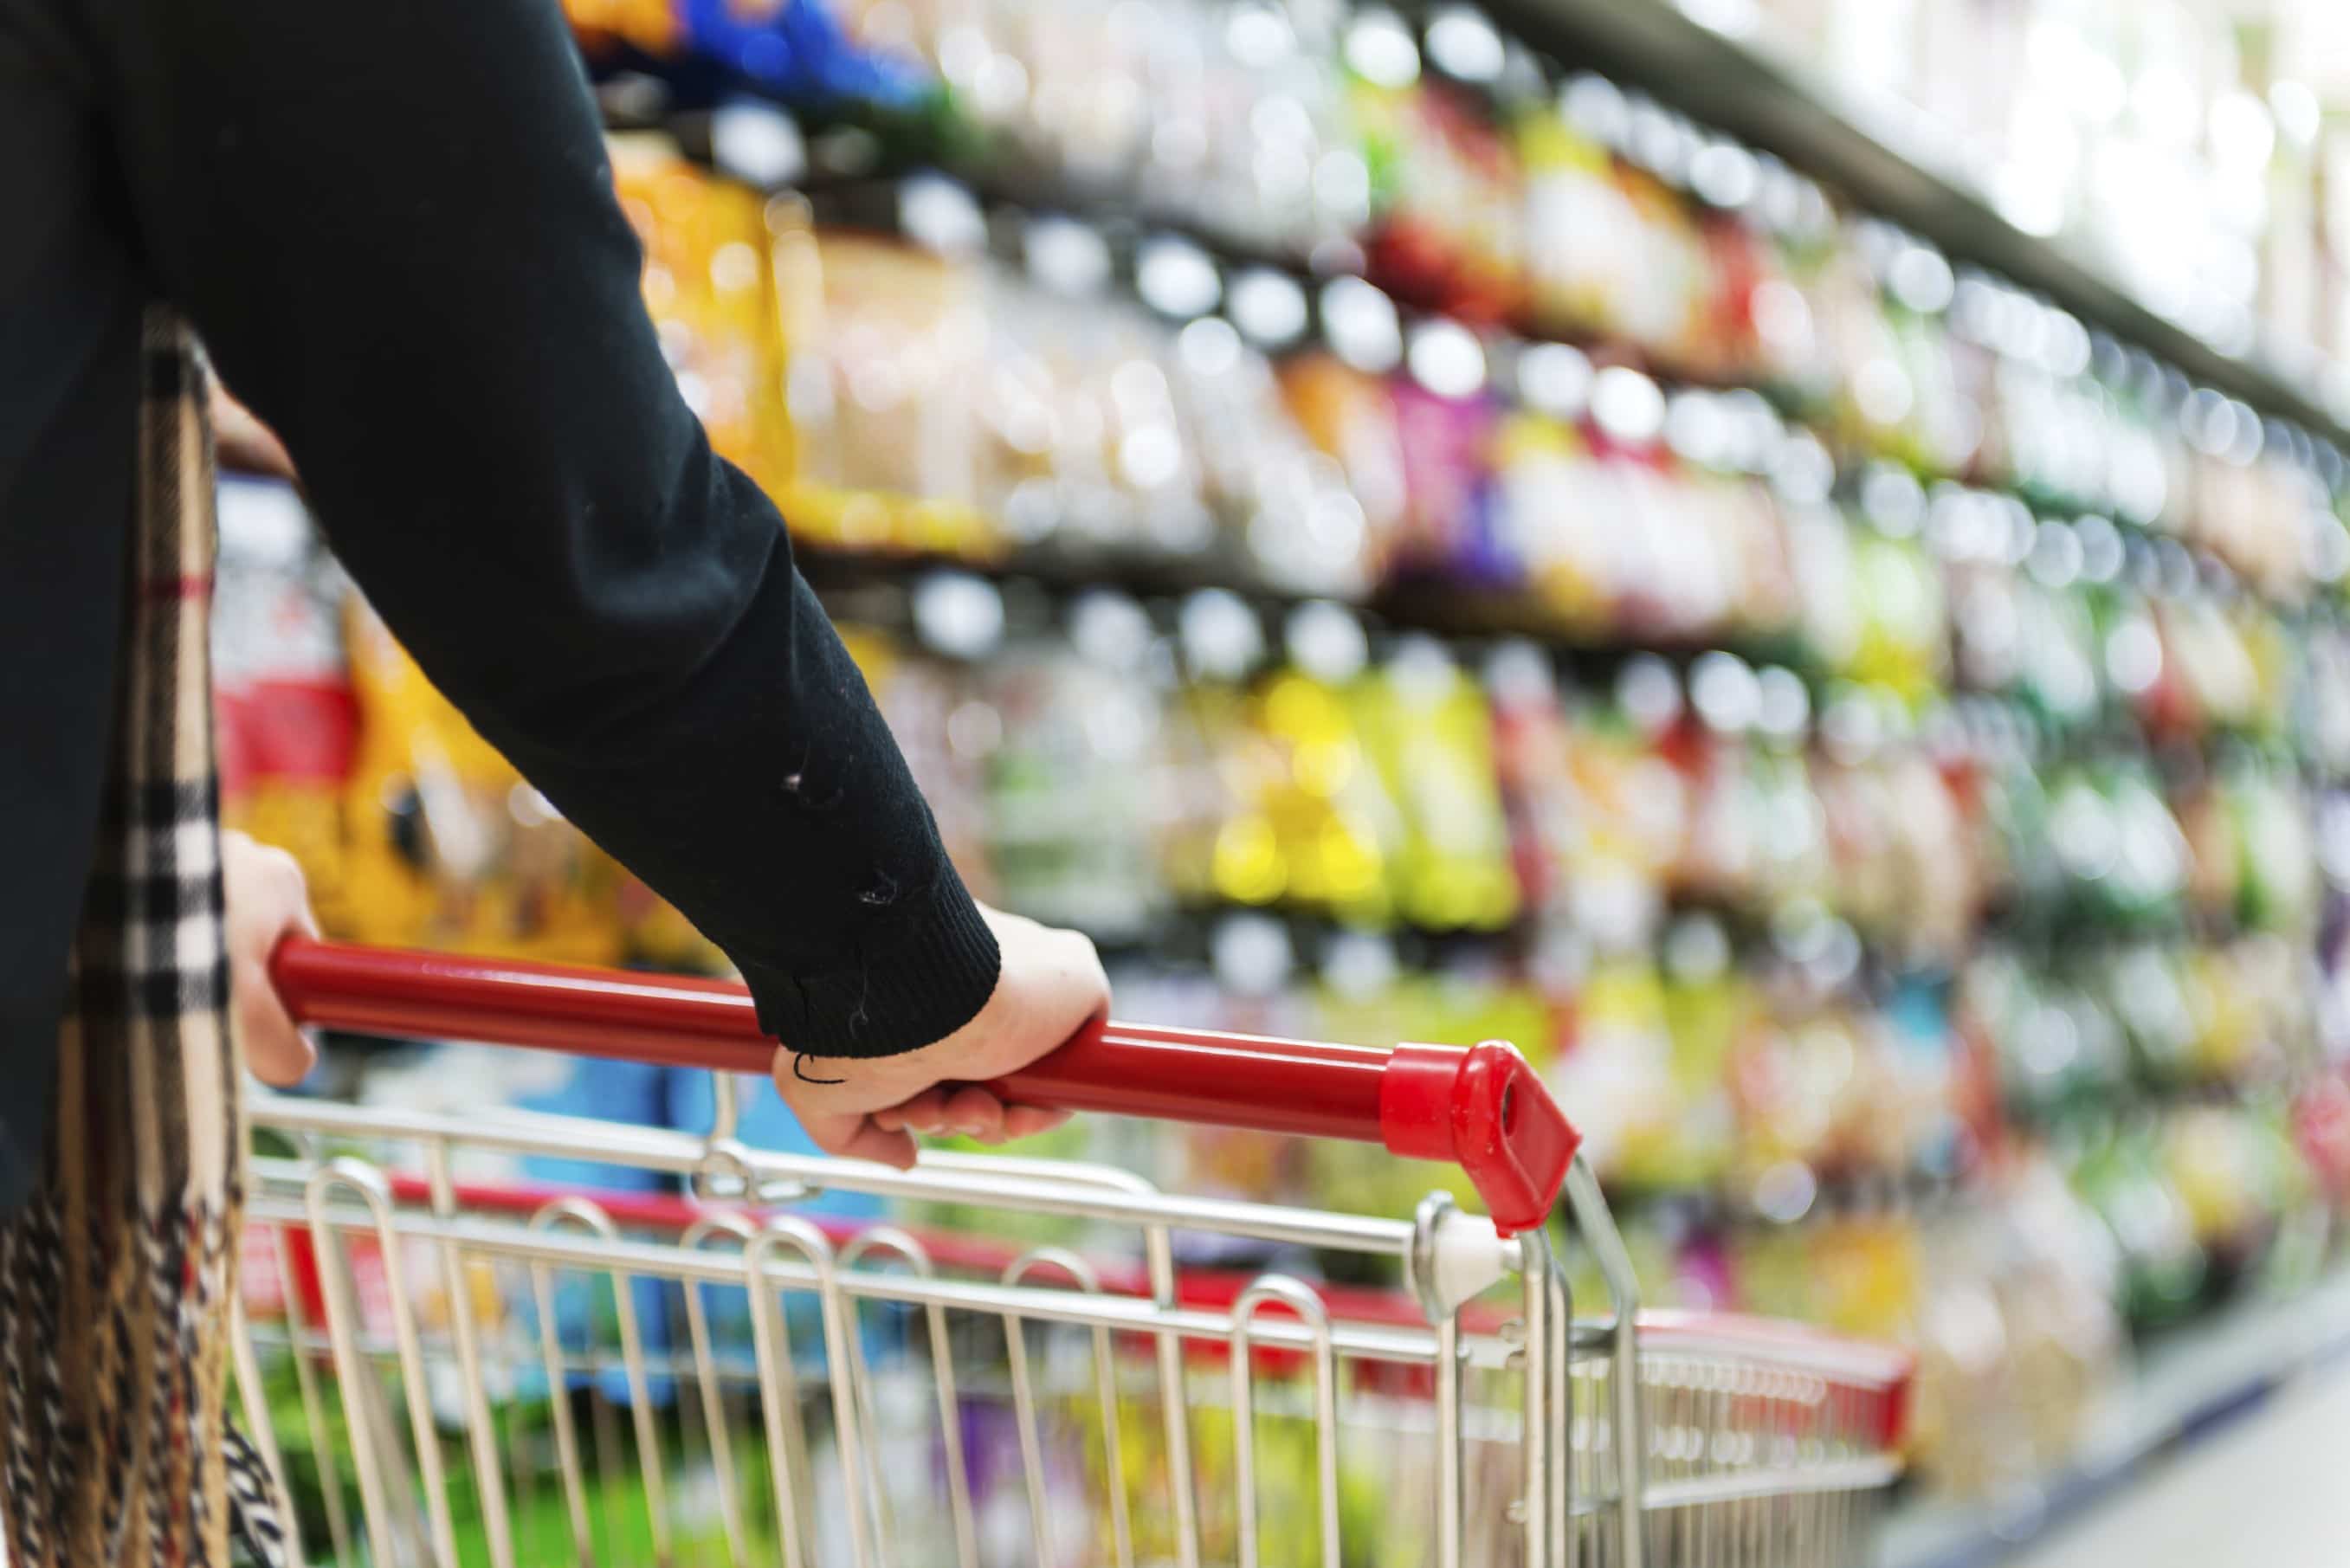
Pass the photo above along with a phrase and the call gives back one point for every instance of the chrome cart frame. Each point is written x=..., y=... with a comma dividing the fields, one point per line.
x=684, y=1359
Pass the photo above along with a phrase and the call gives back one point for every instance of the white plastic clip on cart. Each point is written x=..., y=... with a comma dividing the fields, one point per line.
x=677, y=1361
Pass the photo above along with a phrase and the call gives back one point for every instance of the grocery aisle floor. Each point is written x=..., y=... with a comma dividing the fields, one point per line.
x=2272, y=1489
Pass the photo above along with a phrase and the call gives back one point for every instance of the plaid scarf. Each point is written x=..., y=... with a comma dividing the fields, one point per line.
x=115, y=1280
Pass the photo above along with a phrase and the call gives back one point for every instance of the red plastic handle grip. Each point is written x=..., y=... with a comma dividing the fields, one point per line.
x=1481, y=1108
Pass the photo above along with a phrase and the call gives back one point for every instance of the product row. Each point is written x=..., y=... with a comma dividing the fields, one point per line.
x=1114, y=765
x=1516, y=205
x=1106, y=771
x=2189, y=151
x=1586, y=504
x=1764, y=941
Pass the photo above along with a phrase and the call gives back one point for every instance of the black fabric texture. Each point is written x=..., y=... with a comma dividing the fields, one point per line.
x=394, y=227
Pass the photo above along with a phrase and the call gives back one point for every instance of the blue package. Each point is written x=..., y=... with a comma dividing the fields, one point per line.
x=634, y=1094
x=800, y=53
x=629, y=1092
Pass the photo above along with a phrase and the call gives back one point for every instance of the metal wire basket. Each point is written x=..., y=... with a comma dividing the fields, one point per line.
x=681, y=1359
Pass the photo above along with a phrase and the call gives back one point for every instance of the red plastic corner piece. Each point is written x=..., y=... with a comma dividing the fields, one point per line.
x=1893, y=1414
x=1484, y=1110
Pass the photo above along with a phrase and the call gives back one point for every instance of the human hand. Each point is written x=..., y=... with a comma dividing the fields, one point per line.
x=1050, y=986
x=244, y=445
x=267, y=901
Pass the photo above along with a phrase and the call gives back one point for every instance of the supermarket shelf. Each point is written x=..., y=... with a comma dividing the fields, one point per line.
x=1710, y=60
x=1470, y=614
x=2184, y=1388
x=1714, y=60
x=861, y=585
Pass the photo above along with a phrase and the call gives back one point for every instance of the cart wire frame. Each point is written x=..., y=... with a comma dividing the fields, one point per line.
x=865, y=1420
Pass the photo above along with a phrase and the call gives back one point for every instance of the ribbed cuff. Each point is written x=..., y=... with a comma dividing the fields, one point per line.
x=928, y=972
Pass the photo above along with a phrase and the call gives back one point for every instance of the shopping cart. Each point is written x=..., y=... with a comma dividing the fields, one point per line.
x=443, y=1362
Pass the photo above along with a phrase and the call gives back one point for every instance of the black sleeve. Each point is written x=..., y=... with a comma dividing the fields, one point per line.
x=394, y=227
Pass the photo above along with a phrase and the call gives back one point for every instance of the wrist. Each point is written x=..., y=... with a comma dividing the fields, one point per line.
x=918, y=982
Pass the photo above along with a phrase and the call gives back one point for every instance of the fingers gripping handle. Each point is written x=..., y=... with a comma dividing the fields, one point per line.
x=1483, y=1109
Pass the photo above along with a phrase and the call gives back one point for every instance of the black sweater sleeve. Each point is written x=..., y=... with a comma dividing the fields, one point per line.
x=393, y=225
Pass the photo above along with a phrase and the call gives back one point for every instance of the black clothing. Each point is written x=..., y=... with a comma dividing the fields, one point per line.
x=394, y=227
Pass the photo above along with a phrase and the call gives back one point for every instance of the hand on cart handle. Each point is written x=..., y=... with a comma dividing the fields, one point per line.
x=1483, y=1109
x=245, y=445
x=1050, y=987
x=268, y=901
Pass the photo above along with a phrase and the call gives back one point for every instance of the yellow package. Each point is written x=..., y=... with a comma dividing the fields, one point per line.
x=709, y=292
x=1310, y=823
x=881, y=343
x=649, y=25
x=1427, y=727
x=450, y=848
x=1905, y=620
x=284, y=751
x=307, y=823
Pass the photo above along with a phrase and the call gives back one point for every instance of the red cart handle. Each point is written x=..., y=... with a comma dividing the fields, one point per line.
x=1481, y=1108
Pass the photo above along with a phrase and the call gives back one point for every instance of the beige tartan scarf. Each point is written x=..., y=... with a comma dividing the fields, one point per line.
x=115, y=1281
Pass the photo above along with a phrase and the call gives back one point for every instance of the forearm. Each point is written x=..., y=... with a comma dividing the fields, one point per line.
x=425, y=285
x=763, y=796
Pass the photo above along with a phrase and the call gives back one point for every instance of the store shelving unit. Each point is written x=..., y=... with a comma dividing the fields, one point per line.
x=1715, y=59
x=1714, y=62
